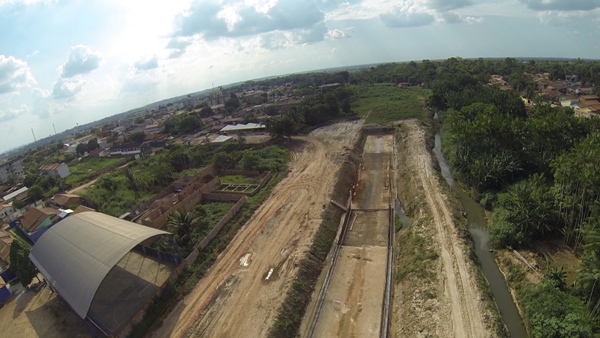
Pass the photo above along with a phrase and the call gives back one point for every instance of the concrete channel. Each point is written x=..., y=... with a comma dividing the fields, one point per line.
x=355, y=299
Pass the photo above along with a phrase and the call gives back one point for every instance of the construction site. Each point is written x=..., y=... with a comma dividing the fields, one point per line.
x=354, y=299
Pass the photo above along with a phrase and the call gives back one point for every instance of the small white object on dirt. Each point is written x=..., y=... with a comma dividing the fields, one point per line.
x=269, y=274
x=244, y=260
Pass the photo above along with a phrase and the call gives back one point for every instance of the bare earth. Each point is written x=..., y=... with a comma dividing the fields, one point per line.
x=39, y=314
x=235, y=298
x=458, y=309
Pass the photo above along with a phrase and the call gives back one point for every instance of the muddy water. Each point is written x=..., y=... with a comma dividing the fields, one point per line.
x=480, y=234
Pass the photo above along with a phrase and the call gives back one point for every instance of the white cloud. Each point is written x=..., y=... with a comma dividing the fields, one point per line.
x=571, y=18
x=146, y=64
x=337, y=34
x=138, y=83
x=453, y=18
x=81, y=60
x=11, y=113
x=211, y=20
x=64, y=88
x=446, y=5
x=406, y=15
x=26, y=2
x=14, y=74
x=562, y=5
x=178, y=46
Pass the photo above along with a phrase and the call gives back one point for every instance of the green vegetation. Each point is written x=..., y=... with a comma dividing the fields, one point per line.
x=239, y=179
x=183, y=124
x=385, y=102
x=20, y=263
x=119, y=191
x=417, y=255
x=88, y=168
x=537, y=168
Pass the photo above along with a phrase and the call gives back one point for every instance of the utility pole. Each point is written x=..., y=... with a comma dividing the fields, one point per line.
x=34, y=140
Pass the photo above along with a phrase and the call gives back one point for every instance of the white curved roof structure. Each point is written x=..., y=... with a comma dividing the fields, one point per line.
x=76, y=254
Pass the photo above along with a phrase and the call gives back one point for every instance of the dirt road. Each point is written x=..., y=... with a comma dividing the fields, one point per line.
x=240, y=294
x=458, y=310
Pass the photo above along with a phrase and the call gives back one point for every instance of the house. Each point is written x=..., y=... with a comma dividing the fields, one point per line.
x=56, y=170
x=248, y=127
x=586, y=90
x=15, y=194
x=38, y=218
x=119, y=129
x=13, y=168
x=5, y=241
x=7, y=212
x=222, y=139
x=66, y=200
x=153, y=128
x=130, y=149
x=589, y=98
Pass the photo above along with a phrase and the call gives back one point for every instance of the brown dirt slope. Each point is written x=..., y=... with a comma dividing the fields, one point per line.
x=447, y=302
x=235, y=298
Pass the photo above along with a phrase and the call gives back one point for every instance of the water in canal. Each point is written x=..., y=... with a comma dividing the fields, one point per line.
x=480, y=234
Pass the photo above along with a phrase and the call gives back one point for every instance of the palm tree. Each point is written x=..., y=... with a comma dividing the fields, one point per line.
x=132, y=181
x=182, y=224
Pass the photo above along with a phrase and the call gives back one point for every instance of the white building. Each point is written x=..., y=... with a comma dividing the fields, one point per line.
x=11, y=168
x=56, y=170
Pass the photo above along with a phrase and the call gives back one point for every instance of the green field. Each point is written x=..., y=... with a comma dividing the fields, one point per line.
x=239, y=179
x=386, y=102
x=86, y=170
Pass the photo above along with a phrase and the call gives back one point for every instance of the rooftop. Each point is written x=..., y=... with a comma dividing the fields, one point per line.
x=35, y=216
x=247, y=126
x=15, y=194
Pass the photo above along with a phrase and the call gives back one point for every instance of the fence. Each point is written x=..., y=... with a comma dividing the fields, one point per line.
x=234, y=210
x=179, y=184
x=191, y=258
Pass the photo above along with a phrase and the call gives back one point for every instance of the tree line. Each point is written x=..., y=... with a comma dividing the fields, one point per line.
x=539, y=170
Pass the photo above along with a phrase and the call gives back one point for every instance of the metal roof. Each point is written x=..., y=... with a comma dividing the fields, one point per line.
x=15, y=194
x=221, y=139
x=248, y=126
x=76, y=254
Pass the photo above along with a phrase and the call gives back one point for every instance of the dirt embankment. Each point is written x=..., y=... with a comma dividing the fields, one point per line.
x=436, y=294
x=241, y=294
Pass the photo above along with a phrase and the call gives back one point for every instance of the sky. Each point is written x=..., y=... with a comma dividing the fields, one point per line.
x=74, y=62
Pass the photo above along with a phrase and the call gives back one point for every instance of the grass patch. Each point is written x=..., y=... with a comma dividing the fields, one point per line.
x=397, y=223
x=87, y=169
x=239, y=179
x=416, y=257
x=388, y=103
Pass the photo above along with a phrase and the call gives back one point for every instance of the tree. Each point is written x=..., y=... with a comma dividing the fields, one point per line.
x=271, y=110
x=132, y=181
x=206, y=112
x=249, y=161
x=35, y=193
x=222, y=160
x=137, y=137
x=20, y=263
x=279, y=127
x=139, y=120
x=181, y=224
x=30, y=180
x=92, y=144
x=81, y=149
x=179, y=160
